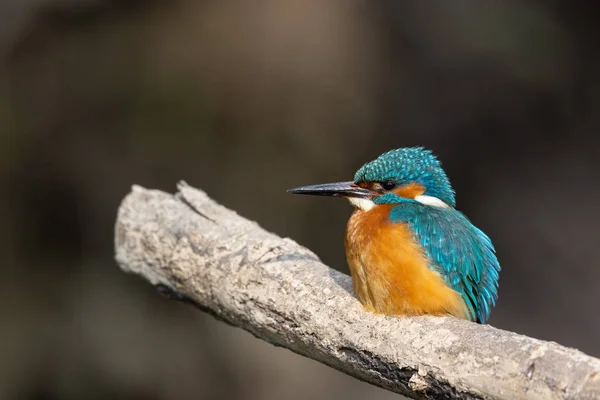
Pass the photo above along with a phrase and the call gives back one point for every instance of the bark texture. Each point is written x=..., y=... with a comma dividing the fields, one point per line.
x=194, y=250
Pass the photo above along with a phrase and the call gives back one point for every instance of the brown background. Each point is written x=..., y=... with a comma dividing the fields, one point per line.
x=247, y=99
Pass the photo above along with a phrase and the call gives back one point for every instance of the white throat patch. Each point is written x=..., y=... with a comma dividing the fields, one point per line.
x=361, y=204
x=367, y=204
x=431, y=201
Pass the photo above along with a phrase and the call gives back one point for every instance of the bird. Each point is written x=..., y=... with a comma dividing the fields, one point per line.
x=409, y=250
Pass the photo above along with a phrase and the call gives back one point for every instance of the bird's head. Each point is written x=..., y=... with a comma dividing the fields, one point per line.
x=406, y=174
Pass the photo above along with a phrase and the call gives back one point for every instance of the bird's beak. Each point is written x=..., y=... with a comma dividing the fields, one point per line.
x=337, y=189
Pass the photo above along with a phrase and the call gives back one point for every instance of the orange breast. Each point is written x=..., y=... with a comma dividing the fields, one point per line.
x=390, y=272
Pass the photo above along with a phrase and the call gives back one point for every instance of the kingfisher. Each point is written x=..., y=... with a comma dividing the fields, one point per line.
x=409, y=250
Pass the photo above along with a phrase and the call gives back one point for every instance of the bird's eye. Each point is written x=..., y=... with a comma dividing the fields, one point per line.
x=389, y=185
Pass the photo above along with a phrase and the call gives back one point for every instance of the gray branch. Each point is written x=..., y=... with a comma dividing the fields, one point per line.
x=195, y=250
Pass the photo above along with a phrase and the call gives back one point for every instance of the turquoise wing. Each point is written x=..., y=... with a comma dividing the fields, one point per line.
x=458, y=250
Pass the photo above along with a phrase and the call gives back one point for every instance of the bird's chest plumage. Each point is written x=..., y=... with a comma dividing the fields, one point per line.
x=390, y=271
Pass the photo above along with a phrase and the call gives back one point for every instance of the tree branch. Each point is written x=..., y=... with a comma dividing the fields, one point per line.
x=198, y=251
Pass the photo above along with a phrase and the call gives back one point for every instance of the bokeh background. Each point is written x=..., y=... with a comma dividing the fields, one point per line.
x=244, y=100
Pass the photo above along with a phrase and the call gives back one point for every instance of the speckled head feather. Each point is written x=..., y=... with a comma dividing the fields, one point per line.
x=406, y=165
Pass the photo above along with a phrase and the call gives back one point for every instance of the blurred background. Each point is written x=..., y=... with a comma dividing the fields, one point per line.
x=247, y=99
